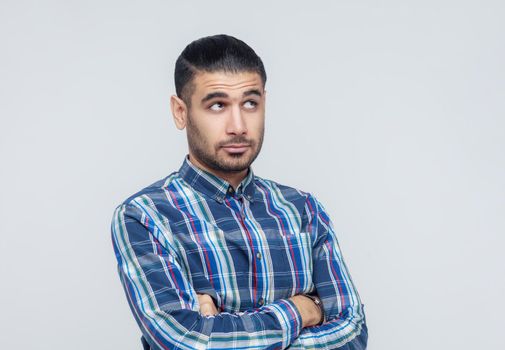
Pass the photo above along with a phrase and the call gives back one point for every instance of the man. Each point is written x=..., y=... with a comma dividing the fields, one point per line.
x=213, y=256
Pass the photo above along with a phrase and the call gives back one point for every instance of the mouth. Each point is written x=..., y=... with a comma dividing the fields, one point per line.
x=236, y=147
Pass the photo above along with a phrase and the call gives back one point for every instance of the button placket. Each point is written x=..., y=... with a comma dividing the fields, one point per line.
x=257, y=265
x=242, y=208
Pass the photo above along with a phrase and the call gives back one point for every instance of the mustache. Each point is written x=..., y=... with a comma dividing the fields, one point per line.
x=235, y=140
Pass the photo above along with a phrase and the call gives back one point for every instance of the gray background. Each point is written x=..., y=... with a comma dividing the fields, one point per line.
x=390, y=112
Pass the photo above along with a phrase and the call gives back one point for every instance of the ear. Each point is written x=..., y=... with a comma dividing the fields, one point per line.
x=179, y=111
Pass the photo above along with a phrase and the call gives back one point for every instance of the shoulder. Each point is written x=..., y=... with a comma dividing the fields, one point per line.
x=155, y=192
x=268, y=187
x=289, y=193
x=271, y=185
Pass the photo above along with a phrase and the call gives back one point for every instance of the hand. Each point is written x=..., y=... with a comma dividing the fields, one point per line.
x=207, y=306
x=310, y=312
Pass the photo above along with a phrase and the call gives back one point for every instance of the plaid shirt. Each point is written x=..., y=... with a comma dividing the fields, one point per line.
x=249, y=249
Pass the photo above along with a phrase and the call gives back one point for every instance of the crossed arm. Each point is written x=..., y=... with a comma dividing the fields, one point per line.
x=310, y=313
x=172, y=315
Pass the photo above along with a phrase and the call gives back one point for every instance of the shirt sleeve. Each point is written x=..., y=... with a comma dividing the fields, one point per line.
x=345, y=327
x=165, y=305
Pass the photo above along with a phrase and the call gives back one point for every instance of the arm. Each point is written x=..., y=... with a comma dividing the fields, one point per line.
x=166, y=306
x=345, y=327
x=310, y=313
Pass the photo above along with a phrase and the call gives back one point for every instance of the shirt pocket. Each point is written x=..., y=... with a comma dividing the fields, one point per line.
x=291, y=263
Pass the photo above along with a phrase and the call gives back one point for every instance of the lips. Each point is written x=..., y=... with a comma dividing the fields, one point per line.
x=236, y=147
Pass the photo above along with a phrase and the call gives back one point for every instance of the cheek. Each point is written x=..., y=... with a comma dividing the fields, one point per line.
x=207, y=125
x=211, y=131
x=257, y=125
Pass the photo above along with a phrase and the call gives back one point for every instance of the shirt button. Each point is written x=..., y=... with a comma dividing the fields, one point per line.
x=258, y=255
x=261, y=301
x=230, y=189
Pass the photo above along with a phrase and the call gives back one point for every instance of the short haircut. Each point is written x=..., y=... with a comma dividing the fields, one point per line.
x=213, y=54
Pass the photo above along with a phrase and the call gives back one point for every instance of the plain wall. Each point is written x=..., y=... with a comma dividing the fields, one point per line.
x=390, y=112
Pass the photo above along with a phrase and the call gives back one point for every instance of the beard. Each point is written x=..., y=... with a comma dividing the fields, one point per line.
x=217, y=159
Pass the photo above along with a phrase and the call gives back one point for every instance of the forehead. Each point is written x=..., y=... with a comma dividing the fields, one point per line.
x=230, y=83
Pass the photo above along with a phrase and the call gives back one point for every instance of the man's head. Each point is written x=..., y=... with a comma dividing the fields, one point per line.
x=220, y=85
x=217, y=53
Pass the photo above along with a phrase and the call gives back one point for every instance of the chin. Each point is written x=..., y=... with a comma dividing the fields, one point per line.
x=236, y=163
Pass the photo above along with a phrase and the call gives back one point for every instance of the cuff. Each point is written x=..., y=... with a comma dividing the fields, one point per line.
x=289, y=319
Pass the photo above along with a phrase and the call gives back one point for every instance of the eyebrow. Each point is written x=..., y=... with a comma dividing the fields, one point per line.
x=212, y=95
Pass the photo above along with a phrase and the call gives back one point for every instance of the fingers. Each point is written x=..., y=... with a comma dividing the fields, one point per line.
x=207, y=306
x=310, y=312
x=208, y=310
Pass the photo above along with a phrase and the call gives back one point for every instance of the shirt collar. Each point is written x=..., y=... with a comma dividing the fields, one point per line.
x=212, y=185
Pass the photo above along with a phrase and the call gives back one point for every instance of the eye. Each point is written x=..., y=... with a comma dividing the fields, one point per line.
x=250, y=104
x=217, y=106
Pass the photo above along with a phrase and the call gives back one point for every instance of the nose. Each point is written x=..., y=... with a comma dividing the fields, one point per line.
x=236, y=122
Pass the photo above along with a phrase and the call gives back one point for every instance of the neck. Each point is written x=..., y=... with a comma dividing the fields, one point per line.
x=232, y=177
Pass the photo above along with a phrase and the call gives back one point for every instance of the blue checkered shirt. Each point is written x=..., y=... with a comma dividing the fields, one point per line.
x=250, y=249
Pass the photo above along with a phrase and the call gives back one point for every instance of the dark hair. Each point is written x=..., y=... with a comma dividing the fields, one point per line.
x=211, y=54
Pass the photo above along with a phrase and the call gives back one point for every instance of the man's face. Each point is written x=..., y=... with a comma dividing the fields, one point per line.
x=225, y=122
